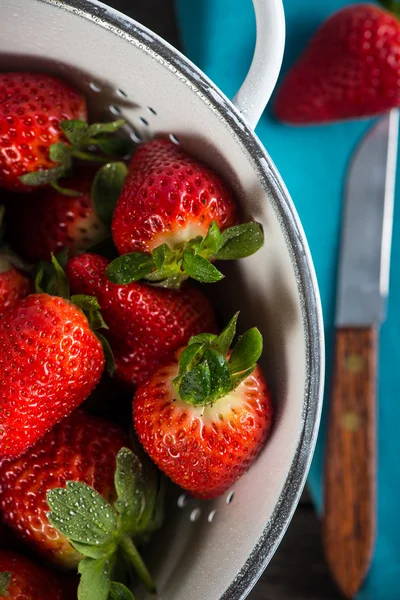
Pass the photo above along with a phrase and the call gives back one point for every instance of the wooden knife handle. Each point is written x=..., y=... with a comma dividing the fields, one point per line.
x=350, y=463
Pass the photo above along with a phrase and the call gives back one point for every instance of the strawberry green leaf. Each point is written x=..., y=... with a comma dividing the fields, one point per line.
x=193, y=245
x=223, y=342
x=86, y=303
x=91, y=307
x=95, y=581
x=246, y=352
x=195, y=386
x=130, y=489
x=62, y=257
x=81, y=514
x=117, y=147
x=212, y=242
x=74, y=130
x=200, y=268
x=240, y=241
x=190, y=356
x=202, y=338
x=108, y=353
x=60, y=153
x=155, y=486
x=39, y=277
x=118, y=591
x=60, y=283
x=130, y=267
x=91, y=551
x=163, y=256
x=392, y=5
x=38, y=178
x=106, y=188
x=99, y=128
x=237, y=378
x=5, y=578
x=140, y=499
x=220, y=377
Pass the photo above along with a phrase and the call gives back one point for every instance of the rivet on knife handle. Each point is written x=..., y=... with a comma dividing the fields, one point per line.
x=349, y=511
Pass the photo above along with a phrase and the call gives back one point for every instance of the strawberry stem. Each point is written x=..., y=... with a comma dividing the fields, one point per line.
x=91, y=157
x=131, y=553
x=205, y=371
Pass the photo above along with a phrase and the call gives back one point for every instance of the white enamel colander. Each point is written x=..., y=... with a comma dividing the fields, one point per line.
x=217, y=549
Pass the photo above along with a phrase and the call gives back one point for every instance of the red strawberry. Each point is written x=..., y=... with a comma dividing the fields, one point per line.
x=22, y=579
x=168, y=197
x=13, y=284
x=50, y=361
x=203, y=419
x=147, y=324
x=51, y=221
x=32, y=105
x=350, y=68
x=84, y=463
x=80, y=448
x=169, y=218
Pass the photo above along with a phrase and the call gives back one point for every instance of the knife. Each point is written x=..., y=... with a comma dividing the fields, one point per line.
x=348, y=523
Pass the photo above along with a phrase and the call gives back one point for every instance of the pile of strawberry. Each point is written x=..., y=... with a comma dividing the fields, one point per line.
x=100, y=242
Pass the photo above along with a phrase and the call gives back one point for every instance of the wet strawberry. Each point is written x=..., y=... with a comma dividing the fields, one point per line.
x=204, y=417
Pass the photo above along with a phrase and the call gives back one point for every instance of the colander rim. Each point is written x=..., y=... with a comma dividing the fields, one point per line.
x=307, y=287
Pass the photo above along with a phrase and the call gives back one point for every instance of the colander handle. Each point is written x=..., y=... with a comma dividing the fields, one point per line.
x=256, y=90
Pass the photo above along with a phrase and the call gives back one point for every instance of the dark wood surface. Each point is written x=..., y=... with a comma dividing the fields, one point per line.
x=298, y=570
x=349, y=514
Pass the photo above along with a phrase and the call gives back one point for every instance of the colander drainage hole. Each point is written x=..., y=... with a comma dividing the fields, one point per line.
x=143, y=121
x=173, y=138
x=195, y=514
x=229, y=497
x=151, y=110
x=182, y=500
x=94, y=86
x=115, y=110
x=211, y=516
x=121, y=94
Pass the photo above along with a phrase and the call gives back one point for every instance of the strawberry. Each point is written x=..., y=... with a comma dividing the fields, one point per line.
x=51, y=221
x=169, y=217
x=14, y=285
x=204, y=417
x=350, y=68
x=32, y=106
x=147, y=324
x=84, y=462
x=22, y=579
x=50, y=361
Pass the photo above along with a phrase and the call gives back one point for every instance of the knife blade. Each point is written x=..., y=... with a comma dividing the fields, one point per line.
x=348, y=524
